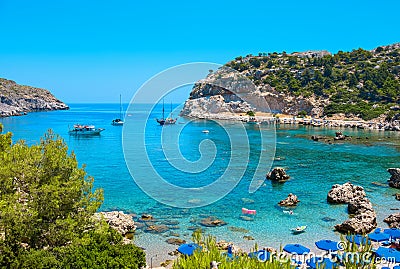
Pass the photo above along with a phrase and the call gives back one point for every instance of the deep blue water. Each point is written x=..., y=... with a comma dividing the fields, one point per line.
x=313, y=166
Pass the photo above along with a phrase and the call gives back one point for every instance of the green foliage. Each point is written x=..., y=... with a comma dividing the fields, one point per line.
x=46, y=208
x=210, y=252
x=250, y=113
x=303, y=113
x=347, y=79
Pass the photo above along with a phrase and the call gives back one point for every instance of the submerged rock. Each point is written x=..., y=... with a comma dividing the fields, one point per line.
x=394, y=180
x=212, y=222
x=157, y=229
x=248, y=237
x=342, y=194
x=238, y=229
x=328, y=219
x=118, y=220
x=175, y=241
x=393, y=220
x=291, y=200
x=278, y=174
x=146, y=217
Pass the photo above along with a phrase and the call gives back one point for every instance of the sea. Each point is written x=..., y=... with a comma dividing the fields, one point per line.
x=313, y=168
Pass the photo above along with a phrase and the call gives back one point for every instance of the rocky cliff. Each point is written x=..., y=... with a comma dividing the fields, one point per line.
x=360, y=84
x=18, y=99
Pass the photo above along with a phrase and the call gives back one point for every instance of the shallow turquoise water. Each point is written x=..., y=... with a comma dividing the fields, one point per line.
x=313, y=166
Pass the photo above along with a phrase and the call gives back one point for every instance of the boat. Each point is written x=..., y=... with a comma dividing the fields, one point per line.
x=289, y=212
x=299, y=229
x=80, y=129
x=166, y=121
x=205, y=131
x=118, y=121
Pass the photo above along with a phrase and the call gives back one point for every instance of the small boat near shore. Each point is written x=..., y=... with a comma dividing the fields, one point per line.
x=299, y=229
x=79, y=129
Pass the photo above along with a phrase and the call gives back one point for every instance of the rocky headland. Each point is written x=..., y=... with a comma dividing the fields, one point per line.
x=313, y=88
x=16, y=100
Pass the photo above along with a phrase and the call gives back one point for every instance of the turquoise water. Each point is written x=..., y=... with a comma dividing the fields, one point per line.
x=313, y=166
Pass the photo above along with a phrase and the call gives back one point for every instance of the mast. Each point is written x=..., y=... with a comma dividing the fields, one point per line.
x=120, y=107
x=163, y=109
x=171, y=111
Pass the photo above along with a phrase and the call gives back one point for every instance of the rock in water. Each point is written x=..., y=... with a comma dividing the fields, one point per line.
x=342, y=194
x=359, y=205
x=278, y=174
x=360, y=224
x=16, y=100
x=394, y=180
x=175, y=241
x=364, y=219
x=397, y=195
x=291, y=200
x=393, y=220
x=118, y=220
x=212, y=222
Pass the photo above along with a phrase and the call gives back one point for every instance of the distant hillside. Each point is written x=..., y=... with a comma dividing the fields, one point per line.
x=18, y=99
x=361, y=84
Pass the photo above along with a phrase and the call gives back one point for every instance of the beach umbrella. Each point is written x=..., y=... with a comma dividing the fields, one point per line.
x=393, y=232
x=188, y=249
x=261, y=255
x=317, y=262
x=328, y=245
x=390, y=254
x=357, y=239
x=296, y=248
x=378, y=236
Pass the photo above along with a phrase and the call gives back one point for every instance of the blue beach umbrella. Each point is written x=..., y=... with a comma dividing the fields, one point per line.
x=296, y=248
x=317, y=262
x=261, y=255
x=188, y=249
x=357, y=239
x=393, y=232
x=378, y=236
x=327, y=245
x=390, y=254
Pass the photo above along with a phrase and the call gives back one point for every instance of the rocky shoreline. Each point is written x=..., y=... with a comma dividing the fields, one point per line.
x=17, y=100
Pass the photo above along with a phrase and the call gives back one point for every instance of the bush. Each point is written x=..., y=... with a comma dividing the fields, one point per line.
x=250, y=113
x=302, y=113
x=46, y=211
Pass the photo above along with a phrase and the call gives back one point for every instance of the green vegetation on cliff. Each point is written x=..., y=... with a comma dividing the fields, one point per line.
x=46, y=212
x=360, y=82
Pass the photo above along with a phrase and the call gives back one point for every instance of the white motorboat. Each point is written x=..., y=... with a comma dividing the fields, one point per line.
x=80, y=129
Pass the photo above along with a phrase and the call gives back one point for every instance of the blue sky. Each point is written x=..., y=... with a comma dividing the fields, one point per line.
x=91, y=51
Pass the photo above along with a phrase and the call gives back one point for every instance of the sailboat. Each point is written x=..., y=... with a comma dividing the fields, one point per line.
x=166, y=121
x=118, y=121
